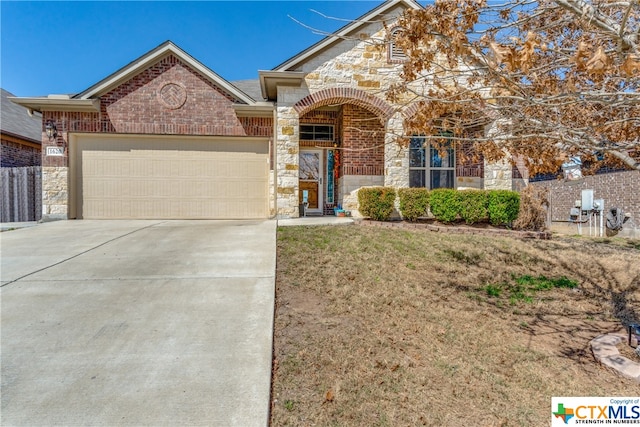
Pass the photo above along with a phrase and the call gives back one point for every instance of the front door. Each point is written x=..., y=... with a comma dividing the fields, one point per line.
x=311, y=180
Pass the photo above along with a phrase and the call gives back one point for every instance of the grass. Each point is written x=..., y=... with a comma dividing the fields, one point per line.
x=408, y=327
x=526, y=288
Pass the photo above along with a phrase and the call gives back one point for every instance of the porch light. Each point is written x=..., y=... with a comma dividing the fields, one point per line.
x=51, y=129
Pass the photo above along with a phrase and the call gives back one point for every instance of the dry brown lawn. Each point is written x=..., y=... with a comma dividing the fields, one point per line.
x=394, y=327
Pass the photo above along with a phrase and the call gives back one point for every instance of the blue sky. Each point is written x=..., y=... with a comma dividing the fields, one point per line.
x=54, y=47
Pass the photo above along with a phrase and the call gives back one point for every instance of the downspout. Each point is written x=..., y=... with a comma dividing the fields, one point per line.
x=274, y=157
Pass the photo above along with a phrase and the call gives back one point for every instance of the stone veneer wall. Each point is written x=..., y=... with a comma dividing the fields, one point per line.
x=349, y=186
x=469, y=183
x=396, y=165
x=288, y=152
x=55, y=192
x=355, y=62
x=498, y=176
x=351, y=65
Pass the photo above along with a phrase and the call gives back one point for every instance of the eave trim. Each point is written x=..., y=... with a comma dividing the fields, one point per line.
x=58, y=104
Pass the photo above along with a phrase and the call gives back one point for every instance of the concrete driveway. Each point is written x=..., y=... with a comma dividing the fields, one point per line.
x=137, y=323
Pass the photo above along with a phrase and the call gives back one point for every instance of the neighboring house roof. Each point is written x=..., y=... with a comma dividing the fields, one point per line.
x=16, y=121
x=292, y=63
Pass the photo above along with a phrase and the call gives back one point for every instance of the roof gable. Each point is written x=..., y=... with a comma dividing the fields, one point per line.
x=152, y=57
x=355, y=25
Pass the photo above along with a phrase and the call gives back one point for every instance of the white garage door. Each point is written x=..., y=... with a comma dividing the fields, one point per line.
x=125, y=176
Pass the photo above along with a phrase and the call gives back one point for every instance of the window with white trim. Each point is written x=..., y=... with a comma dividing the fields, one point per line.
x=395, y=52
x=430, y=166
x=316, y=132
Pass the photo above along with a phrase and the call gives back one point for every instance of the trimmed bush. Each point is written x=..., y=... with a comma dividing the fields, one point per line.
x=377, y=202
x=503, y=206
x=414, y=202
x=445, y=204
x=473, y=205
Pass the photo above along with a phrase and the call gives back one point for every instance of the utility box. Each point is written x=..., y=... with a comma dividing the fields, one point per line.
x=587, y=200
x=598, y=205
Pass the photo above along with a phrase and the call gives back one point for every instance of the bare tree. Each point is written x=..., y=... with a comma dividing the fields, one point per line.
x=549, y=78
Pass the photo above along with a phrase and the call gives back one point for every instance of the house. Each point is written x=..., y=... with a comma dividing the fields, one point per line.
x=20, y=133
x=167, y=137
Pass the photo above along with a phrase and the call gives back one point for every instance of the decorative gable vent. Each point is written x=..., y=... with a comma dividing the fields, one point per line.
x=396, y=54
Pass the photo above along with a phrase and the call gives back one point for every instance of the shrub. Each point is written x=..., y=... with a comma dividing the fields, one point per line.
x=376, y=202
x=444, y=204
x=473, y=205
x=503, y=206
x=414, y=202
x=533, y=209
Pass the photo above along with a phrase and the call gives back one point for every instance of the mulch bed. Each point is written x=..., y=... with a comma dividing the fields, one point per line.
x=480, y=229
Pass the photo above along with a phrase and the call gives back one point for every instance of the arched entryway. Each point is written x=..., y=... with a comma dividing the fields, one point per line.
x=342, y=137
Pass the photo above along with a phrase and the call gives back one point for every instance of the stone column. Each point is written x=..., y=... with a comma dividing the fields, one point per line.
x=396, y=157
x=287, y=162
x=497, y=176
x=55, y=169
x=55, y=194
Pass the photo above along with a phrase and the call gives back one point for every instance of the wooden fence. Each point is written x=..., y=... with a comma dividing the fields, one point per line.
x=21, y=194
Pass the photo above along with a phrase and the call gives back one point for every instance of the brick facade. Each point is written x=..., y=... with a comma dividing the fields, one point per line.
x=167, y=98
x=137, y=107
x=618, y=189
x=14, y=154
x=340, y=95
x=362, y=141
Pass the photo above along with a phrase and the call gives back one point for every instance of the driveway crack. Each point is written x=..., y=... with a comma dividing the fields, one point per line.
x=81, y=253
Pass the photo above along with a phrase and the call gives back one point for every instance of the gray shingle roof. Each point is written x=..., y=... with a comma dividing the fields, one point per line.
x=15, y=120
x=250, y=87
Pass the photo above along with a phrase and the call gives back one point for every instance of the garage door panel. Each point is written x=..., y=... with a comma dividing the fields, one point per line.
x=170, y=178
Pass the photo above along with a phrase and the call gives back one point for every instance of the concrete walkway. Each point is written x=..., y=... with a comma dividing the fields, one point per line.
x=137, y=323
x=605, y=351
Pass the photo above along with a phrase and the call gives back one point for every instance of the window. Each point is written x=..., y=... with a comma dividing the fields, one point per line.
x=395, y=52
x=430, y=167
x=316, y=132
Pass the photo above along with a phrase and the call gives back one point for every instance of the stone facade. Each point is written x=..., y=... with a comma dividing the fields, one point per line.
x=55, y=191
x=350, y=185
x=498, y=176
x=354, y=74
x=360, y=62
x=287, y=156
x=396, y=173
